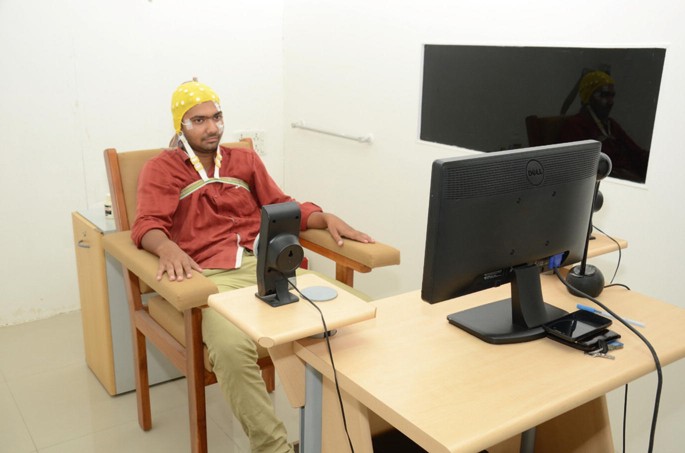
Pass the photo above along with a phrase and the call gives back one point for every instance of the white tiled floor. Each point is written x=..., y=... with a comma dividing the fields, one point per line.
x=50, y=402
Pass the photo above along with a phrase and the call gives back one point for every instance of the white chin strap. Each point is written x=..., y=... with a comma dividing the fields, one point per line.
x=196, y=162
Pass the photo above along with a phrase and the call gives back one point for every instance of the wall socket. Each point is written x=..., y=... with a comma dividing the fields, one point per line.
x=258, y=139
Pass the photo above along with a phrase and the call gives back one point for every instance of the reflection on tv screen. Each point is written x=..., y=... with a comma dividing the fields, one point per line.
x=492, y=98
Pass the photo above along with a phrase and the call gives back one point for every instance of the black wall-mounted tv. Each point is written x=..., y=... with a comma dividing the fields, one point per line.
x=485, y=98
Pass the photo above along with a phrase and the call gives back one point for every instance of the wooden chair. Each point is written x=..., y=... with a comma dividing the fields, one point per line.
x=171, y=317
x=544, y=130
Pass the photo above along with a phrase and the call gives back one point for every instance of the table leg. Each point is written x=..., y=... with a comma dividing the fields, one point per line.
x=334, y=437
x=311, y=412
x=528, y=441
x=585, y=429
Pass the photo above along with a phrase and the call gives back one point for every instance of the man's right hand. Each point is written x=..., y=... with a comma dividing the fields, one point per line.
x=173, y=261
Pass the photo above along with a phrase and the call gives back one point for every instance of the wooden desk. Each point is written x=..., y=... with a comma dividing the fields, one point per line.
x=451, y=392
x=278, y=328
x=445, y=389
x=601, y=245
x=271, y=327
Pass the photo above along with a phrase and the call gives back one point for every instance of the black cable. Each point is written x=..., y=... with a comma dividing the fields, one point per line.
x=326, y=335
x=625, y=417
x=618, y=263
x=611, y=283
x=618, y=284
x=639, y=335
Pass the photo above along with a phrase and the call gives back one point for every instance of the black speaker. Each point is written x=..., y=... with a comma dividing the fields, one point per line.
x=279, y=252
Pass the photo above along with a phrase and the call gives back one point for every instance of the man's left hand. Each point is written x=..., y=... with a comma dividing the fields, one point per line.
x=337, y=227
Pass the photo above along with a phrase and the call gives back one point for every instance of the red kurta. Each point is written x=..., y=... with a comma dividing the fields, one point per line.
x=213, y=222
x=628, y=159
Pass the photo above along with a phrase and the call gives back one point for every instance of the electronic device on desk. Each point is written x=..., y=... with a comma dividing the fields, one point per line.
x=582, y=330
x=503, y=217
x=279, y=252
x=585, y=277
x=578, y=325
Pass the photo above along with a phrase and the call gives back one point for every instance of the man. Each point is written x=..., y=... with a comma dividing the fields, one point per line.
x=194, y=221
x=596, y=91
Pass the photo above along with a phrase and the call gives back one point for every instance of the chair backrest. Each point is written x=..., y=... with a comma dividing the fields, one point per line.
x=122, y=172
x=544, y=130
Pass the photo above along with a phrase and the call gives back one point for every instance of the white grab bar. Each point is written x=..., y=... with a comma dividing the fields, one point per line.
x=363, y=139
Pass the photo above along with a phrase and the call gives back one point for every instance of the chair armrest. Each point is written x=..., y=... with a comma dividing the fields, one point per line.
x=183, y=295
x=355, y=255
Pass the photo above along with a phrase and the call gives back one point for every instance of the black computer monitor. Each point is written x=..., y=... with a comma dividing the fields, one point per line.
x=504, y=217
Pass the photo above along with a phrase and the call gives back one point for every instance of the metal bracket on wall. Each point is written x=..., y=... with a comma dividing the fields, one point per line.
x=361, y=139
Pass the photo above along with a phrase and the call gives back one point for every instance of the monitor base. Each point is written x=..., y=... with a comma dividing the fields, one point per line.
x=493, y=323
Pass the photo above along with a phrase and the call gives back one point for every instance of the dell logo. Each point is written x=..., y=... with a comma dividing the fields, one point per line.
x=535, y=172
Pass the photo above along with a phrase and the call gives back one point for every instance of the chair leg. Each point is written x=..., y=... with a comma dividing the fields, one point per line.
x=142, y=381
x=344, y=274
x=198, y=414
x=195, y=372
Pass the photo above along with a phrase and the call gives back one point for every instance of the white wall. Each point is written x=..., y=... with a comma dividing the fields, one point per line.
x=355, y=67
x=80, y=76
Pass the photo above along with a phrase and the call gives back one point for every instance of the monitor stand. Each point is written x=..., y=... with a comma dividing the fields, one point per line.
x=514, y=320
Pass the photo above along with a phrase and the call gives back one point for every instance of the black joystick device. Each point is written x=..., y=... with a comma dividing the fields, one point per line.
x=585, y=277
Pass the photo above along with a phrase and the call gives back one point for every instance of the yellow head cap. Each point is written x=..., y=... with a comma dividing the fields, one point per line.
x=187, y=96
x=590, y=82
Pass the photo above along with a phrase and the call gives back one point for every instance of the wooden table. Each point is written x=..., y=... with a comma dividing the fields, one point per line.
x=278, y=328
x=450, y=392
x=443, y=388
x=601, y=244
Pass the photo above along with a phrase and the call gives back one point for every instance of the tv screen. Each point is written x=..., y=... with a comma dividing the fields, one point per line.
x=504, y=217
x=492, y=98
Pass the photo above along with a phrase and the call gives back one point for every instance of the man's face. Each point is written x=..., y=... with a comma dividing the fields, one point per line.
x=203, y=126
x=602, y=100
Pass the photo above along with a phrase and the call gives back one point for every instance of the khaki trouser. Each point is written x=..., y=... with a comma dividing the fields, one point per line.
x=234, y=358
